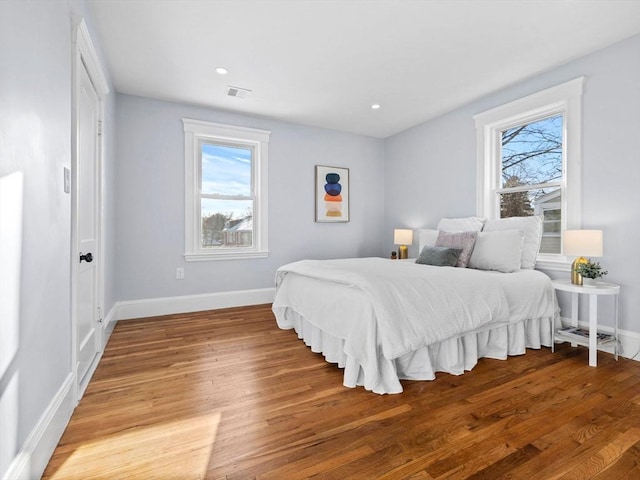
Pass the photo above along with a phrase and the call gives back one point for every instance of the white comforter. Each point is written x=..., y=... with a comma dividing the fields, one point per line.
x=410, y=305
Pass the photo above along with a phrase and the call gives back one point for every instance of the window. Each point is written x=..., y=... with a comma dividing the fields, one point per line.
x=225, y=191
x=529, y=163
x=531, y=173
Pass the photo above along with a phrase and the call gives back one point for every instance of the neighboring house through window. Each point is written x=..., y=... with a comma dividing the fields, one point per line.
x=549, y=206
x=529, y=163
x=225, y=191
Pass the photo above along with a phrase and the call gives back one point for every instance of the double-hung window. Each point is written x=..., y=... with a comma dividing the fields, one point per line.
x=225, y=191
x=529, y=163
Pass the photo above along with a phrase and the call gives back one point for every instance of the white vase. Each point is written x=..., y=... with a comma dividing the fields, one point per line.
x=588, y=282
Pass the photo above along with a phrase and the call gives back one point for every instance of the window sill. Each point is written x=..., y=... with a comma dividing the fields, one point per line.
x=554, y=265
x=207, y=257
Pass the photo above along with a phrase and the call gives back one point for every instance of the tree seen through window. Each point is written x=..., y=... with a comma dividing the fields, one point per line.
x=531, y=175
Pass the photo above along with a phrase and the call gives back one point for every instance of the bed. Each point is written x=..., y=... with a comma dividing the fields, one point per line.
x=385, y=320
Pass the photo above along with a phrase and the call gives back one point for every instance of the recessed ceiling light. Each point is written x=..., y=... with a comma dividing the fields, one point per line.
x=221, y=71
x=375, y=106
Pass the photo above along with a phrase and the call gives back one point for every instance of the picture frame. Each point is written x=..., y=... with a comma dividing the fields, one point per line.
x=332, y=194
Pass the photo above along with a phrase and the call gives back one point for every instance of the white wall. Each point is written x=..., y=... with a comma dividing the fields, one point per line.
x=150, y=201
x=431, y=168
x=35, y=144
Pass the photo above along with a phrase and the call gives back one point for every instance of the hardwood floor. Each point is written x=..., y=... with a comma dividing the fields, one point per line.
x=227, y=395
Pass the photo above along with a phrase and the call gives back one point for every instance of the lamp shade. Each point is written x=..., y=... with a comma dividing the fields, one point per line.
x=583, y=243
x=402, y=236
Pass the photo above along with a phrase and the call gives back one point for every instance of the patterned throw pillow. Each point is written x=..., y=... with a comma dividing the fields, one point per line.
x=464, y=240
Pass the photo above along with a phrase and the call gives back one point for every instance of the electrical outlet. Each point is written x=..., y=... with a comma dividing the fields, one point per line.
x=179, y=273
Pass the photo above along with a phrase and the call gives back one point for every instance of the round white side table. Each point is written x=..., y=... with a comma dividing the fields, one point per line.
x=593, y=291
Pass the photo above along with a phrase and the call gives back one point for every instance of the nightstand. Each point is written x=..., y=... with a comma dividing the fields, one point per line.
x=593, y=339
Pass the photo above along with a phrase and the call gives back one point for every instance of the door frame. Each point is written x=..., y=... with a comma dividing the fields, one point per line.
x=85, y=53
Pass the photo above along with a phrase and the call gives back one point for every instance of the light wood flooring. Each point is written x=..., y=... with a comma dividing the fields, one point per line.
x=227, y=395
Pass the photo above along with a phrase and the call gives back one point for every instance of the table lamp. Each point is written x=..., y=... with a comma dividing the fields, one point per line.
x=403, y=237
x=581, y=244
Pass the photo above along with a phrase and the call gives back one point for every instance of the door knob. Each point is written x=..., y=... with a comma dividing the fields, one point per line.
x=87, y=258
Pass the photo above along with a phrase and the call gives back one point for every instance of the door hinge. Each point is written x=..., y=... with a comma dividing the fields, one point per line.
x=99, y=315
x=99, y=127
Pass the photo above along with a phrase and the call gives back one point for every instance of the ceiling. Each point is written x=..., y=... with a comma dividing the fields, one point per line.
x=325, y=62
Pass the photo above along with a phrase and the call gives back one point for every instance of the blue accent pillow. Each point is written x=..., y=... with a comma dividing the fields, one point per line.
x=439, y=256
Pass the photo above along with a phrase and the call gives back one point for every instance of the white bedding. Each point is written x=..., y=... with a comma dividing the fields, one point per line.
x=383, y=320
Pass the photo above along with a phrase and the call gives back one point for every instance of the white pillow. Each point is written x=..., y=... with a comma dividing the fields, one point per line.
x=466, y=224
x=532, y=229
x=427, y=238
x=500, y=250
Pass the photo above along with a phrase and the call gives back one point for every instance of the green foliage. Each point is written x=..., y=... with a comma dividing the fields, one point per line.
x=591, y=270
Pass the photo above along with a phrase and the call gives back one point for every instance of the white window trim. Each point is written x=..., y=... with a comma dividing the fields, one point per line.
x=194, y=132
x=566, y=99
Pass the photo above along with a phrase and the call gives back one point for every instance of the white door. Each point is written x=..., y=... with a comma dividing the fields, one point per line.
x=86, y=299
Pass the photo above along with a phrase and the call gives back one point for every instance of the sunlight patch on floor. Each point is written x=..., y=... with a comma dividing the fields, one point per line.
x=178, y=449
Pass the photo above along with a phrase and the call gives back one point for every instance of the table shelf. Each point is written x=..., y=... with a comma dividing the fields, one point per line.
x=589, y=338
x=580, y=335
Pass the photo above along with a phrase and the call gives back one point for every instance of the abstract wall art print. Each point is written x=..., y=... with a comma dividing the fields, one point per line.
x=332, y=194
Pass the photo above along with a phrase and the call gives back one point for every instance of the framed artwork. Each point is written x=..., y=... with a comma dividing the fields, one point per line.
x=332, y=194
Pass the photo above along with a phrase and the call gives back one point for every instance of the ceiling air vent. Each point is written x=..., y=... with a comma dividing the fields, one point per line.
x=238, y=92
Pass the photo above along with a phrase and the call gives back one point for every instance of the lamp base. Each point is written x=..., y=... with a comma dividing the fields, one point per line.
x=576, y=278
x=403, y=252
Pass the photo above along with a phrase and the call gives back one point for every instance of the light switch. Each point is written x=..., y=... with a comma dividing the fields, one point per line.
x=67, y=180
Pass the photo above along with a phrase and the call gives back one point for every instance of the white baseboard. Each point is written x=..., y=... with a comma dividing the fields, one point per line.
x=36, y=452
x=37, y=449
x=108, y=324
x=192, y=303
x=629, y=341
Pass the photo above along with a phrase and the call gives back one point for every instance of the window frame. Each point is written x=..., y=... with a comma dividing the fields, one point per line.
x=195, y=133
x=565, y=99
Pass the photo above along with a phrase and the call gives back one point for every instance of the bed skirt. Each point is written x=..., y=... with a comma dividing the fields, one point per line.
x=454, y=356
